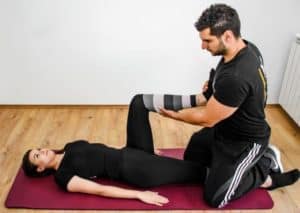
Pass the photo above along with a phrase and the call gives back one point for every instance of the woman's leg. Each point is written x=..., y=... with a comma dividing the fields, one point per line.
x=154, y=102
x=142, y=169
x=139, y=134
x=199, y=148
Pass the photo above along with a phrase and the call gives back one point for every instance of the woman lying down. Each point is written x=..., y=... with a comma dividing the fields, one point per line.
x=79, y=162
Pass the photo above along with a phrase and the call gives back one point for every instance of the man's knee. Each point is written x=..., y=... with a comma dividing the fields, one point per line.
x=212, y=200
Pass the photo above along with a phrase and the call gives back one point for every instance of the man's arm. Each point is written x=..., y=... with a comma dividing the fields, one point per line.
x=207, y=90
x=200, y=100
x=211, y=114
x=78, y=184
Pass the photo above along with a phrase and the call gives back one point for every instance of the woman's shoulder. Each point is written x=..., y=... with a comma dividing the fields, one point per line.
x=63, y=176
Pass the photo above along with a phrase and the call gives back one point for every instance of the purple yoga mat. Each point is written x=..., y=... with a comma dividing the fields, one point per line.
x=43, y=193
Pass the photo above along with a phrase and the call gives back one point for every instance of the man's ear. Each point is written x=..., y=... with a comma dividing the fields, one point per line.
x=227, y=36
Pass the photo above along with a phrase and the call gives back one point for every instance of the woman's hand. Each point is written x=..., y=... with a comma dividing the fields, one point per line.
x=152, y=198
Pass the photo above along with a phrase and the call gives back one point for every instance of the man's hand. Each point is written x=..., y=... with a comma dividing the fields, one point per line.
x=169, y=113
x=205, y=86
x=152, y=198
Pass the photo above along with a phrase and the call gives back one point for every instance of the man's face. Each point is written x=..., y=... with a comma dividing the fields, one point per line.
x=212, y=43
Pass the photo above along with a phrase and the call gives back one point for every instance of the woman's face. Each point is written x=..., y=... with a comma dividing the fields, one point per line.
x=42, y=158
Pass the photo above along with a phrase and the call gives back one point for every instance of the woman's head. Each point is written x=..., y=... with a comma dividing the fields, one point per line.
x=38, y=162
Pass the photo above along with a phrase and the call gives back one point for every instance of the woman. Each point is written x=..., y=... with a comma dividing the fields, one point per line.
x=79, y=162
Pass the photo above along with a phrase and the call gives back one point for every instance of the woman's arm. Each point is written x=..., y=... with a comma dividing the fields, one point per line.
x=78, y=184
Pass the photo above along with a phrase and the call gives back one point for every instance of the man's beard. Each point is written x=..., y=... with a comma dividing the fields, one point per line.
x=222, y=50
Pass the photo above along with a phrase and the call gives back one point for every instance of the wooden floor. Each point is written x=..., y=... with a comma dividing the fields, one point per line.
x=22, y=128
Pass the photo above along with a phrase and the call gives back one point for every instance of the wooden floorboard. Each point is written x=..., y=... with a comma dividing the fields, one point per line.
x=24, y=127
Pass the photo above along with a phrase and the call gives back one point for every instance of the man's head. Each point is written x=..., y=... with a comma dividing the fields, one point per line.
x=218, y=26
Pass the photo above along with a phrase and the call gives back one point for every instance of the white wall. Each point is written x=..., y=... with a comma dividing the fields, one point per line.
x=105, y=51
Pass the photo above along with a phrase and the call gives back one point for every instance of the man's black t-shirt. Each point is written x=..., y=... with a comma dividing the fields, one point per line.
x=241, y=83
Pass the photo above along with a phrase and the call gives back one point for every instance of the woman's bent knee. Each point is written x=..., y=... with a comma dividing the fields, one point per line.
x=137, y=100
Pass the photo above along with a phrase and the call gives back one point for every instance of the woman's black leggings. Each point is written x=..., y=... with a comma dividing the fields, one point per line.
x=141, y=167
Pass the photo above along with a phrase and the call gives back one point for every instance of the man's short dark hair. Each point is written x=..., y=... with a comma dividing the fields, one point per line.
x=219, y=18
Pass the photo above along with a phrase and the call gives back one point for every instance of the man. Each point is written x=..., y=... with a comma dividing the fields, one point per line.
x=233, y=145
x=236, y=134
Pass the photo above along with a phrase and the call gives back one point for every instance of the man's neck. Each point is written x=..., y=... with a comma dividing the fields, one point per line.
x=234, y=50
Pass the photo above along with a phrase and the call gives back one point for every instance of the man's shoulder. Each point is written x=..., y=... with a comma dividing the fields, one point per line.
x=253, y=50
x=249, y=60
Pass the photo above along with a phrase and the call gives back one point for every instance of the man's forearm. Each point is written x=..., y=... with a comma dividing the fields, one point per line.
x=194, y=116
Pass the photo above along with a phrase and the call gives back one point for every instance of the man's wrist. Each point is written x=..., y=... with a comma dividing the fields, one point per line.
x=179, y=115
x=201, y=99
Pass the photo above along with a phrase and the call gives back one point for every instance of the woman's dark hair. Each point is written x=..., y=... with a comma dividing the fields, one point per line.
x=219, y=18
x=31, y=170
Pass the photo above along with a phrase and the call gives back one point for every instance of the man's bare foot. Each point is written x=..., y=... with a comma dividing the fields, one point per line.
x=277, y=180
x=267, y=183
x=157, y=151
